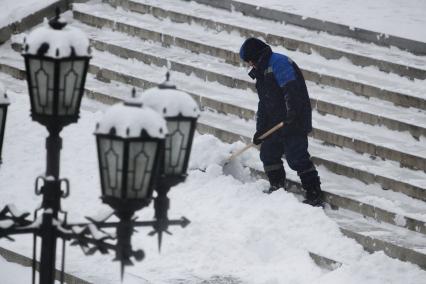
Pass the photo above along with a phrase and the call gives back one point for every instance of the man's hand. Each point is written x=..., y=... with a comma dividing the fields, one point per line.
x=256, y=140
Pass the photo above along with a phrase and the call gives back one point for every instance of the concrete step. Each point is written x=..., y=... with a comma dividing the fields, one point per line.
x=326, y=100
x=107, y=67
x=260, y=10
x=361, y=81
x=291, y=37
x=395, y=242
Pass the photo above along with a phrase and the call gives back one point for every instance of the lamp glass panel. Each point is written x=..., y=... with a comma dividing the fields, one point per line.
x=42, y=85
x=70, y=85
x=176, y=146
x=111, y=161
x=142, y=157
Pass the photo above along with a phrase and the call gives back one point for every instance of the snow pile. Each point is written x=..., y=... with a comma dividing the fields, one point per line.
x=66, y=42
x=129, y=121
x=170, y=102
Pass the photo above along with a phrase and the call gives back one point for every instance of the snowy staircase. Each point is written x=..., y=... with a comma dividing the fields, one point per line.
x=369, y=102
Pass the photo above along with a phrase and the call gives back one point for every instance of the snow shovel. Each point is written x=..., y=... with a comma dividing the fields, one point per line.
x=263, y=136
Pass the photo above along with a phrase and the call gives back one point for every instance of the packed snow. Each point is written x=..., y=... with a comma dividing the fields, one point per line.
x=236, y=231
x=129, y=121
x=394, y=17
x=13, y=10
x=170, y=102
x=69, y=41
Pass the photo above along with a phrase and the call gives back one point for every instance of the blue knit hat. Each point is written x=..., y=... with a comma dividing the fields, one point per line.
x=252, y=49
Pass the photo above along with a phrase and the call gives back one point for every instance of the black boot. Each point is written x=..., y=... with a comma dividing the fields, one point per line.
x=314, y=195
x=276, y=180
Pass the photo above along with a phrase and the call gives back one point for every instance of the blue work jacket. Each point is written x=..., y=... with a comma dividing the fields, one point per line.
x=279, y=78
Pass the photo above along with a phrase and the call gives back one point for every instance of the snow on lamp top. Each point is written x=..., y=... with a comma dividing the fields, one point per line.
x=129, y=121
x=4, y=100
x=169, y=101
x=56, y=40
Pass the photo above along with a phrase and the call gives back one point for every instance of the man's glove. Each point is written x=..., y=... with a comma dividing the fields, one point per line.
x=256, y=140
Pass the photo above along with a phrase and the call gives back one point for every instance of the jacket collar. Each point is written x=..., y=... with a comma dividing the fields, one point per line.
x=263, y=61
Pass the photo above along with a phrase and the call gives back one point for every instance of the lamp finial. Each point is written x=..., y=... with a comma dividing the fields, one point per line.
x=166, y=84
x=55, y=22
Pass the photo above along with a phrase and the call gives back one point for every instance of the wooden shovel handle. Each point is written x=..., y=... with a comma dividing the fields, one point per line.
x=263, y=136
x=230, y=158
x=272, y=130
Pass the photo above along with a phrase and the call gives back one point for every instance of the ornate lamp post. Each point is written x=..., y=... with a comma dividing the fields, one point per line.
x=181, y=113
x=4, y=103
x=56, y=61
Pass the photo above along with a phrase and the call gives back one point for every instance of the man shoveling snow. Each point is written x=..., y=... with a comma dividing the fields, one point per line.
x=283, y=97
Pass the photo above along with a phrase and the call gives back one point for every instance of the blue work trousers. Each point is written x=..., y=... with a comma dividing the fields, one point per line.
x=295, y=150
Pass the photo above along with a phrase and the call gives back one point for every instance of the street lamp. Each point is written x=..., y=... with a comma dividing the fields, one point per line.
x=130, y=140
x=181, y=113
x=4, y=103
x=56, y=61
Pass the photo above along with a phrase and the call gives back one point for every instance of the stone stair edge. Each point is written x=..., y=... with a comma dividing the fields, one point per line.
x=301, y=45
x=416, y=47
x=392, y=250
x=345, y=84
